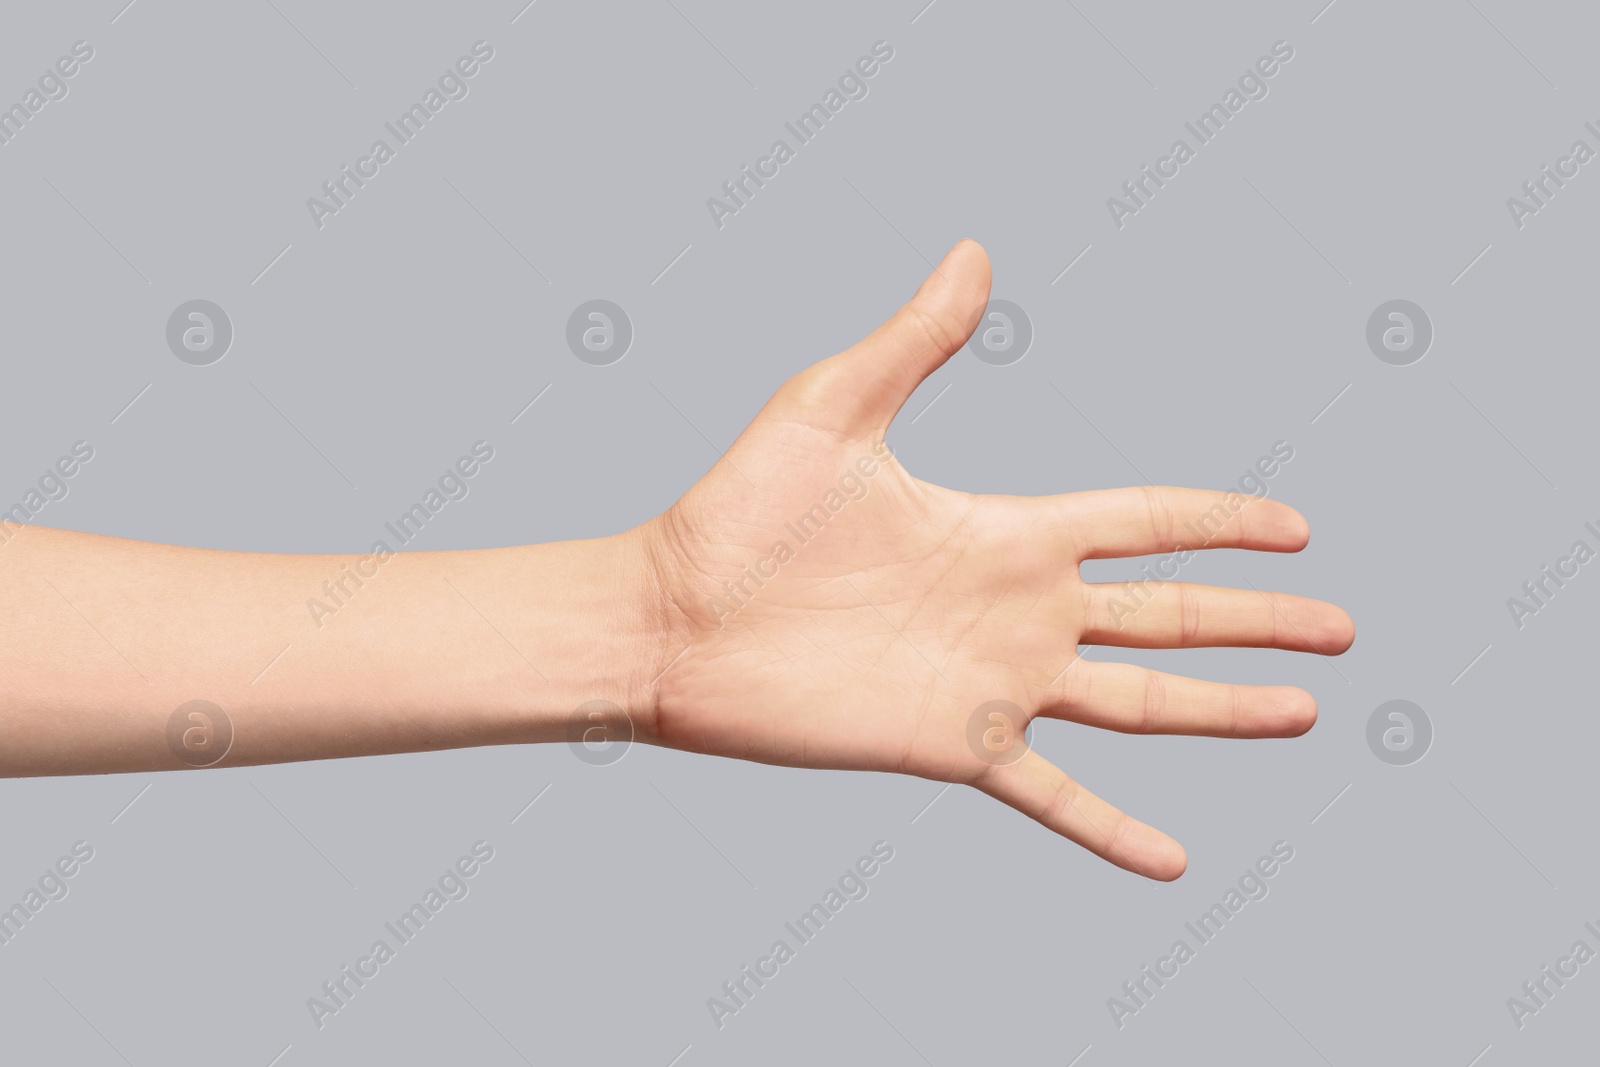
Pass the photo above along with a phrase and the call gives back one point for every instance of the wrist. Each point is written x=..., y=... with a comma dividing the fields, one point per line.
x=596, y=631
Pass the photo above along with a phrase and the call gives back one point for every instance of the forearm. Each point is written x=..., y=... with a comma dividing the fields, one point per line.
x=102, y=640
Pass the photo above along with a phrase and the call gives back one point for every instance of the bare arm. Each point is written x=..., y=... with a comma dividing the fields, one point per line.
x=105, y=639
x=808, y=602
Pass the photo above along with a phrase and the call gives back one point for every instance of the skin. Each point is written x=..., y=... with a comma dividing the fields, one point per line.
x=874, y=639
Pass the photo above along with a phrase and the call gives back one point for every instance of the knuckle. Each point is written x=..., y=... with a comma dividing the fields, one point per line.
x=1154, y=706
x=1064, y=800
x=1188, y=617
x=937, y=324
x=1163, y=524
x=1119, y=831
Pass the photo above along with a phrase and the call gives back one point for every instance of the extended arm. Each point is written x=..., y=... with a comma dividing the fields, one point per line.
x=808, y=602
x=105, y=639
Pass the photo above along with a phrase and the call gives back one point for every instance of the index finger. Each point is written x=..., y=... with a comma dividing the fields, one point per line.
x=1139, y=521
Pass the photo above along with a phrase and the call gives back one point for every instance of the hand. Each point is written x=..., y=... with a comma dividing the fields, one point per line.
x=827, y=609
x=807, y=603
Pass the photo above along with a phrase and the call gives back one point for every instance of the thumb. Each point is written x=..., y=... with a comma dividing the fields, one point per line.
x=864, y=386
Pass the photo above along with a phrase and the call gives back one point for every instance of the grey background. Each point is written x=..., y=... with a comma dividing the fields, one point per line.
x=1224, y=317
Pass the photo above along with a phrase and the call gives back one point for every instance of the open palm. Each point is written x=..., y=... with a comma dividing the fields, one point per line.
x=834, y=611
